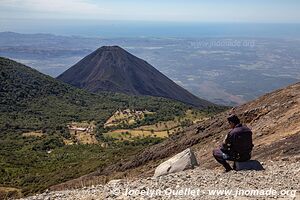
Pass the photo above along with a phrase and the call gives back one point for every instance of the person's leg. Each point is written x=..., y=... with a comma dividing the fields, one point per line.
x=221, y=158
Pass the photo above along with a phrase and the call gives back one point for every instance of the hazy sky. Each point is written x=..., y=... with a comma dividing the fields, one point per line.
x=155, y=10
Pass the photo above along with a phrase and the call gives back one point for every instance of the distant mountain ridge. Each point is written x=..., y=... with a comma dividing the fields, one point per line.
x=111, y=68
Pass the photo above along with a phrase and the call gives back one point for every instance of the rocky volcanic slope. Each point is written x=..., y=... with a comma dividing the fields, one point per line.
x=280, y=176
x=274, y=119
x=111, y=68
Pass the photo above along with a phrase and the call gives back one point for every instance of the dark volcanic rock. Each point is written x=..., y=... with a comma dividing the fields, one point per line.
x=111, y=68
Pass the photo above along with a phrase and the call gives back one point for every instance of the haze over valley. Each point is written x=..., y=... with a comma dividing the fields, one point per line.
x=223, y=70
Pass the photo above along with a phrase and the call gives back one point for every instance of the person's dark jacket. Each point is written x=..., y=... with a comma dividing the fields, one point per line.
x=238, y=143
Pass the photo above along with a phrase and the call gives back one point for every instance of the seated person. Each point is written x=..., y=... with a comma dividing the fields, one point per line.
x=237, y=146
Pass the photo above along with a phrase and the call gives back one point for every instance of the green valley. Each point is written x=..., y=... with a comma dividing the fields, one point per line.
x=38, y=147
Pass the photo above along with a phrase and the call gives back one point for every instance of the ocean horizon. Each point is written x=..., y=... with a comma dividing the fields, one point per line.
x=96, y=28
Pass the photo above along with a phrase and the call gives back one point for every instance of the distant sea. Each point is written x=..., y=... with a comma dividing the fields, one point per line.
x=92, y=28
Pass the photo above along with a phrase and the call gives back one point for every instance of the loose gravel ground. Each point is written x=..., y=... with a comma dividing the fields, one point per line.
x=279, y=180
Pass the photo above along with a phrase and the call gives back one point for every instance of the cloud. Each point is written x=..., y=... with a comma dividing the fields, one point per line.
x=53, y=8
x=154, y=10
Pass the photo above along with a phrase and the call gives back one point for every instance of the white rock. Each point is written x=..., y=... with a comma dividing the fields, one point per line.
x=180, y=162
x=114, y=182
